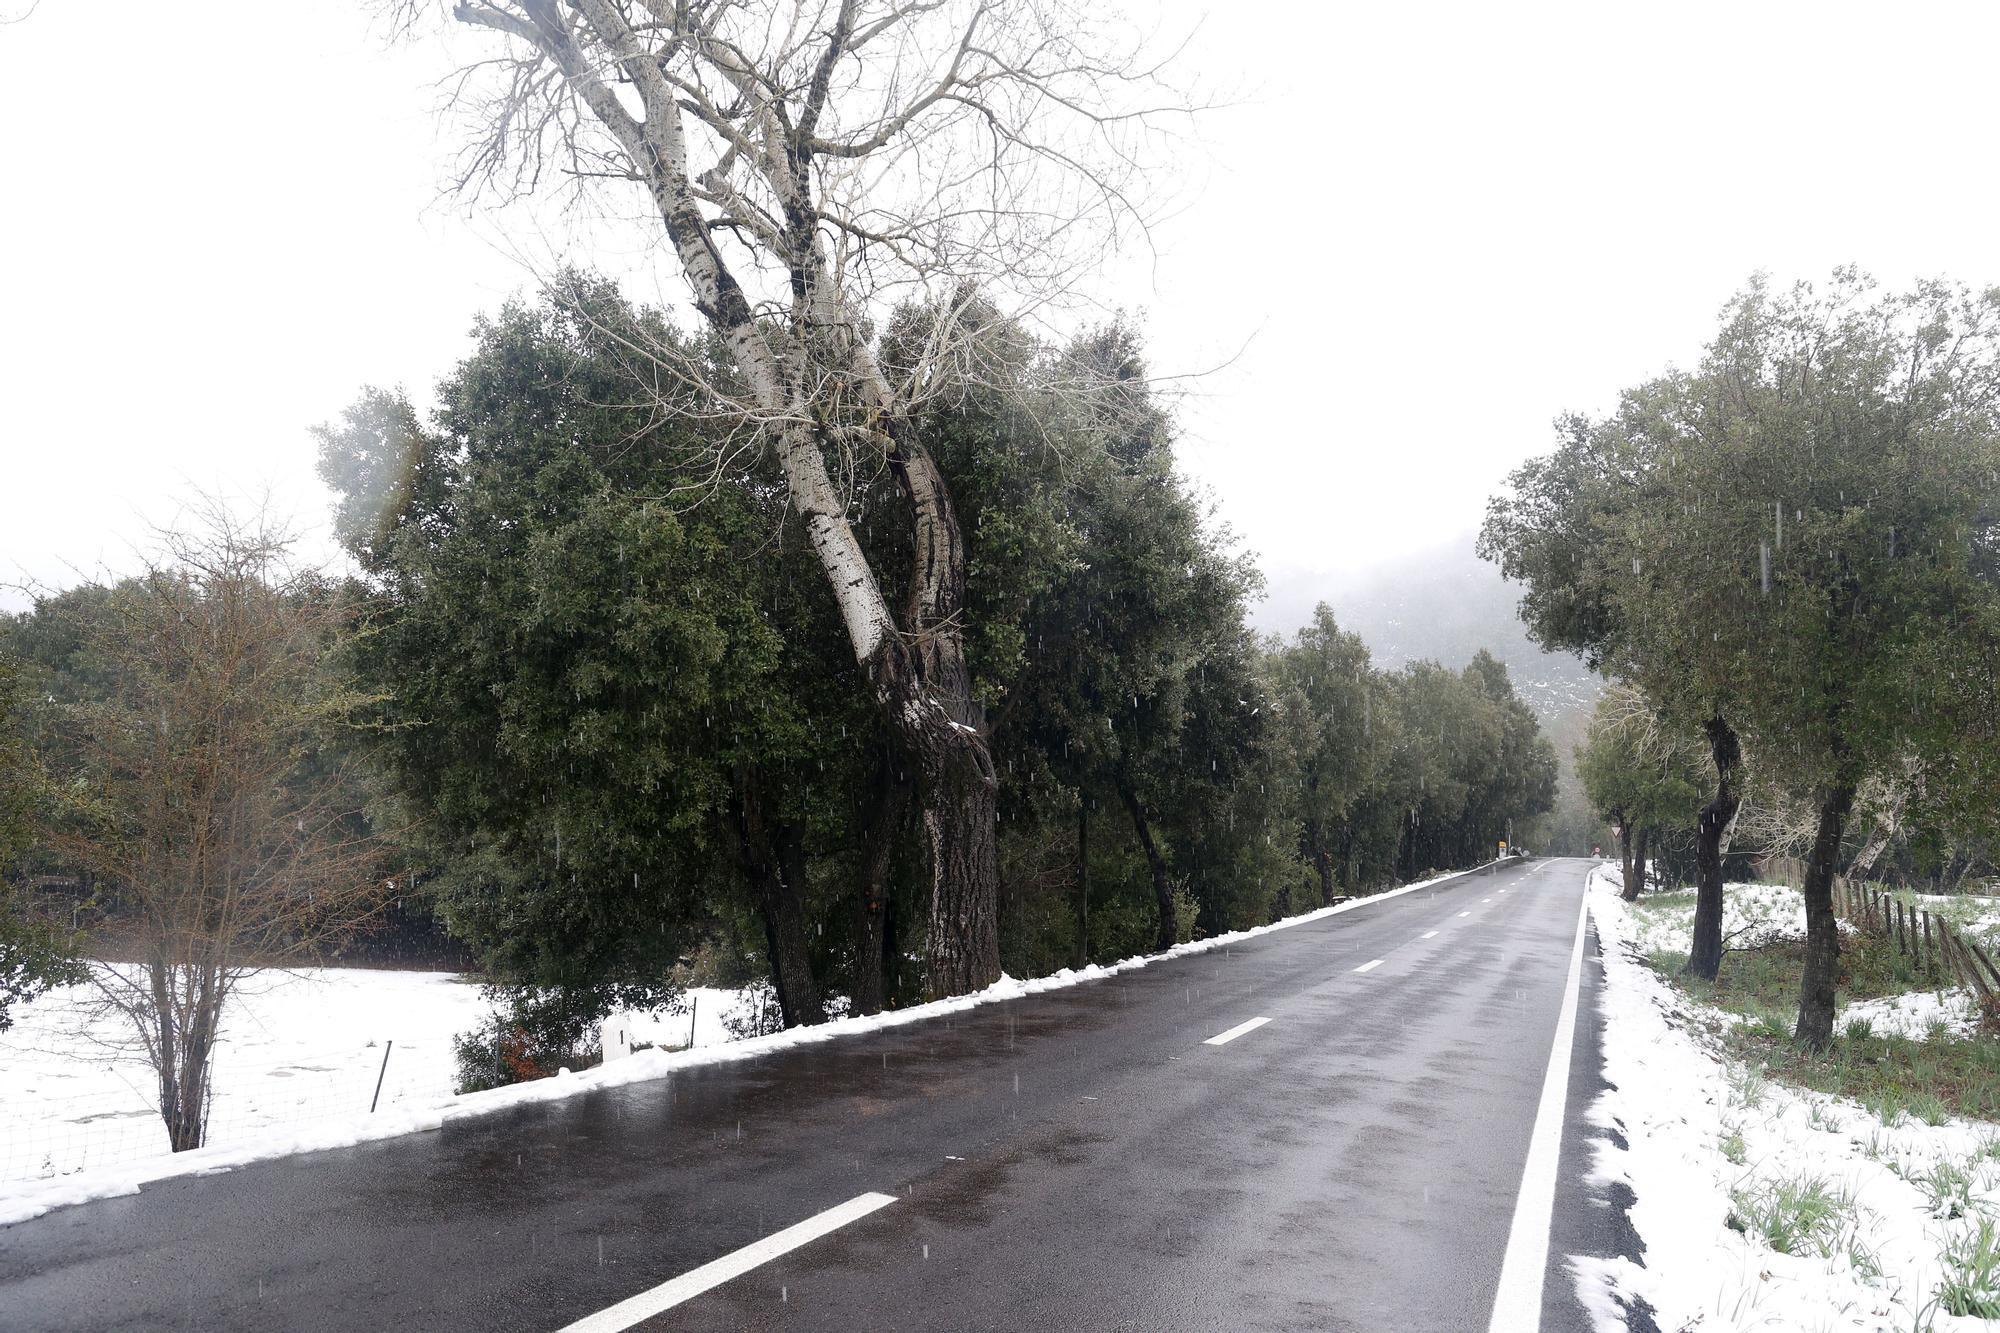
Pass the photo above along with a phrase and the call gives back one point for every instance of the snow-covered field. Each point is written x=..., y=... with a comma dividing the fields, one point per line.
x=1750, y=913
x=48, y=1070
x=1880, y=1220
x=298, y=1048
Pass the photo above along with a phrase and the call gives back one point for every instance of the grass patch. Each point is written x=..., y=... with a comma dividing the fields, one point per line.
x=1763, y=982
x=1971, y=1288
x=1947, y=1186
x=1891, y=1076
x=1732, y=1147
x=1930, y=1079
x=1804, y=1216
x=1746, y=1087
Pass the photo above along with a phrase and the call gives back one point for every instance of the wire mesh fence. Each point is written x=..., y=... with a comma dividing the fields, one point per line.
x=45, y=1132
x=301, y=1051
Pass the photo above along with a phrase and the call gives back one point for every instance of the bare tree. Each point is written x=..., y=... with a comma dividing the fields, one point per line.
x=813, y=162
x=201, y=798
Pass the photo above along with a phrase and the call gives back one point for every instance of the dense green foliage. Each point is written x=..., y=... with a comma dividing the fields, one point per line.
x=1643, y=777
x=1793, y=543
x=615, y=702
x=586, y=658
x=34, y=955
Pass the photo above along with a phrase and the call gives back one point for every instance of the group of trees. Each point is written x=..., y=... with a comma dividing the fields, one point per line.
x=859, y=630
x=584, y=694
x=613, y=696
x=1788, y=556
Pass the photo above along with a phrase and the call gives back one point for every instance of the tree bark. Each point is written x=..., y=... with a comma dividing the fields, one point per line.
x=1888, y=822
x=1822, y=967
x=928, y=692
x=1163, y=892
x=182, y=1039
x=1322, y=859
x=1631, y=890
x=1705, y=957
x=1082, y=878
x=774, y=864
x=885, y=820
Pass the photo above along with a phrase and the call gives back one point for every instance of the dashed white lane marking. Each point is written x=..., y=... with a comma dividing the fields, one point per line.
x=1517, y=1305
x=1430, y=934
x=1222, y=1038
x=1485, y=900
x=1369, y=967
x=1465, y=914
x=635, y=1309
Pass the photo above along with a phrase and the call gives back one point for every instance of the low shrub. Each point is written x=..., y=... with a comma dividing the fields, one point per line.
x=532, y=1034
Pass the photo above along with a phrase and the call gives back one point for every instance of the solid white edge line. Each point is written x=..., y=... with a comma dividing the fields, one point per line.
x=667, y=1295
x=1517, y=1303
x=1369, y=967
x=1222, y=1038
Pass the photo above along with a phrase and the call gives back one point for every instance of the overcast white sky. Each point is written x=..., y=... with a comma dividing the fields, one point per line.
x=1429, y=227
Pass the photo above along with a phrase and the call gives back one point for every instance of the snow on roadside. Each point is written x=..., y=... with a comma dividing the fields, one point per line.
x=1914, y=1014
x=1675, y=1099
x=296, y=1045
x=23, y=1199
x=1750, y=912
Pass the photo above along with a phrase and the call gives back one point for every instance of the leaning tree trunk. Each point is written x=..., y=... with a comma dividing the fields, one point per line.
x=942, y=727
x=1638, y=884
x=1822, y=969
x=1163, y=891
x=917, y=669
x=1705, y=957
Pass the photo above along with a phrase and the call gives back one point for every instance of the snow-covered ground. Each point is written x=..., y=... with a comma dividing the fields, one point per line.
x=298, y=1048
x=1750, y=913
x=1969, y=912
x=47, y=1066
x=1884, y=1217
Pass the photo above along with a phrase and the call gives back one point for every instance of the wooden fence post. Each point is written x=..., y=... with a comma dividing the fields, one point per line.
x=1962, y=964
x=1981, y=955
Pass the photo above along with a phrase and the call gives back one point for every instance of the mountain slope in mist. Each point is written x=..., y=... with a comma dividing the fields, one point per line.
x=1444, y=604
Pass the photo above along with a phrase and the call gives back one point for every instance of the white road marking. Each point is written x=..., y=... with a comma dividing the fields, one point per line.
x=1221, y=1038
x=636, y=1309
x=1485, y=900
x=1430, y=934
x=1369, y=967
x=1465, y=914
x=1517, y=1305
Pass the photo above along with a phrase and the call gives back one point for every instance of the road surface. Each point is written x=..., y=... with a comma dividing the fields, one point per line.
x=1132, y=1153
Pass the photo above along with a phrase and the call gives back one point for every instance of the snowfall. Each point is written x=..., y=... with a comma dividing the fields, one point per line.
x=1913, y=1191
x=301, y=1052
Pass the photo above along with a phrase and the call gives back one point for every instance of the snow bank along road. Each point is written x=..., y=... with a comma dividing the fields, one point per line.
x=1331, y=1126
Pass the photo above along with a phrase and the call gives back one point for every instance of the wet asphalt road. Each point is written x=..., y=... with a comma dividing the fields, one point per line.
x=1074, y=1160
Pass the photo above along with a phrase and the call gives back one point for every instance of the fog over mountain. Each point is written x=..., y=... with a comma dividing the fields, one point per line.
x=1444, y=604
